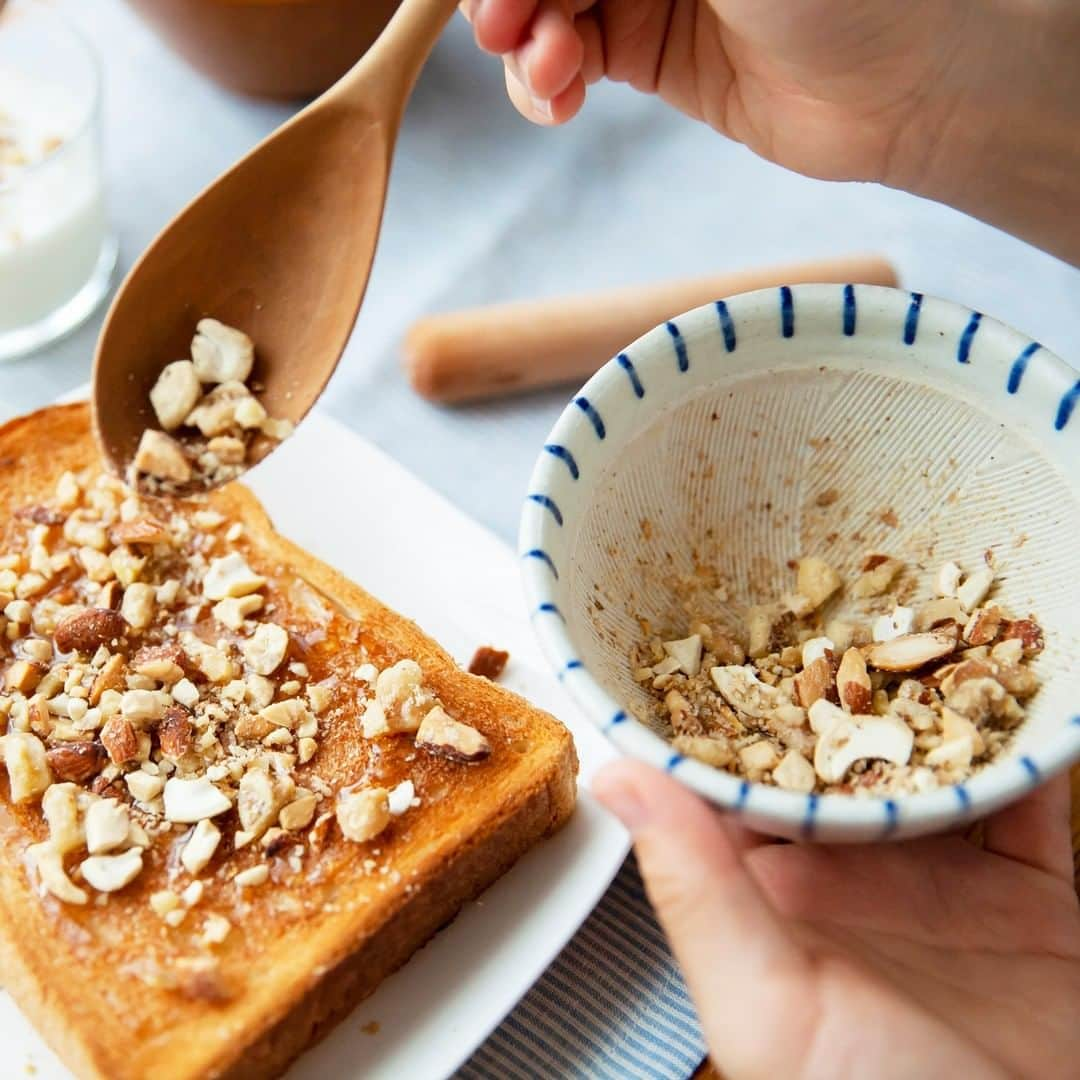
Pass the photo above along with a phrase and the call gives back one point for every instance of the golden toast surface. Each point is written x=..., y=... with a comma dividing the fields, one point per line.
x=121, y=994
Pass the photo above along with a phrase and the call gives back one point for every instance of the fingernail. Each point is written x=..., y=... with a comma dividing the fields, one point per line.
x=541, y=107
x=621, y=797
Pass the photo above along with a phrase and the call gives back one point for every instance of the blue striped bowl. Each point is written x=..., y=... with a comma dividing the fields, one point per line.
x=706, y=446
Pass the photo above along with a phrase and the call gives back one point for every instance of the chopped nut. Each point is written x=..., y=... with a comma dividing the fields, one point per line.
x=1027, y=631
x=226, y=407
x=162, y=663
x=912, y=650
x=161, y=456
x=230, y=576
x=233, y=610
x=974, y=588
x=817, y=581
x=937, y=612
x=879, y=572
x=228, y=449
x=142, y=707
x=399, y=690
x=401, y=798
x=889, y=627
x=265, y=650
x=49, y=864
x=221, y=353
x=110, y=677
x=76, y=761
x=954, y=754
x=814, y=682
x=201, y=845
x=982, y=626
x=686, y=654
x=795, y=773
x=488, y=662
x=144, y=788
x=861, y=738
x=253, y=877
x=744, y=692
x=712, y=750
x=307, y=749
x=88, y=630
x=145, y=531
x=108, y=825
x=759, y=624
x=362, y=813
x=758, y=758
x=258, y=801
x=853, y=684
x=947, y=580
x=815, y=649
x=119, y=739
x=298, y=814
x=23, y=676
x=190, y=801
x=137, y=606
x=175, y=393
x=27, y=765
x=111, y=873
x=186, y=693
x=176, y=733
x=59, y=804
x=440, y=734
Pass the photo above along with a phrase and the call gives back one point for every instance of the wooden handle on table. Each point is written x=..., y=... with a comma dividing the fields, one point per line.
x=494, y=351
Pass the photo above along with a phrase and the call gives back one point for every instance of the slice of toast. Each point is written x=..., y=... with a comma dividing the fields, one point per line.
x=135, y=982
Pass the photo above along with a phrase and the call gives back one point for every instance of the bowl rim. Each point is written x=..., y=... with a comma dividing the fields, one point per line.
x=792, y=813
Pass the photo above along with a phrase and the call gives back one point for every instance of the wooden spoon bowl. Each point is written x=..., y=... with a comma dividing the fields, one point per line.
x=280, y=247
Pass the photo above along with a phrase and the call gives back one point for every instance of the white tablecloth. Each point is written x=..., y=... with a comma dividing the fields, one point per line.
x=485, y=207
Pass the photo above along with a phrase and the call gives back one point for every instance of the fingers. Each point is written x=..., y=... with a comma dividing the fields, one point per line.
x=499, y=25
x=739, y=961
x=542, y=50
x=1036, y=830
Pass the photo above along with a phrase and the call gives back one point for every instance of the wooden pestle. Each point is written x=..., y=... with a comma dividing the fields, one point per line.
x=510, y=348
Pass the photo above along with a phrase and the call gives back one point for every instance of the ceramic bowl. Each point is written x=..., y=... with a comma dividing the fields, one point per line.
x=708, y=442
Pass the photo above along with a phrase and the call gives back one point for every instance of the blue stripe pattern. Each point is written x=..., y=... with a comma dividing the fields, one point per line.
x=1016, y=372
x=744, y=794
x=892, y=817
x=849, y=310
x=564, y=455
x=628, y=366
x=962, y=797
x=787, y=312
x=570, y=665
x=673, y=761
x=681, y=355
x=963, y=350
x=1065, y=409
x=586, y=407
x=548, y=504
x=1031, y=767
x=911, y=323
x=727, y=326
x=612, y=1006
x=549, y=609
x=810, y=815
x=544, y=557
x=615, y=721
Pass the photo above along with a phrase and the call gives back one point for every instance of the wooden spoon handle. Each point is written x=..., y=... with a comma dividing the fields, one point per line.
x=488, y=352
x=393, y=62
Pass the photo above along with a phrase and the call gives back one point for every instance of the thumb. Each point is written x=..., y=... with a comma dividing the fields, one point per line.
x=739, y=961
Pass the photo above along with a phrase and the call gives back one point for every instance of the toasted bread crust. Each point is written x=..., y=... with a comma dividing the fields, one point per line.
x=302, y=978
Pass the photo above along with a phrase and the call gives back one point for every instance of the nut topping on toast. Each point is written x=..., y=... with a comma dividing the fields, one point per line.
x=161, y=694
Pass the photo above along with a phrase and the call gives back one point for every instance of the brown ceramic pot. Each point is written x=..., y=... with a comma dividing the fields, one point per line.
x=269, y=48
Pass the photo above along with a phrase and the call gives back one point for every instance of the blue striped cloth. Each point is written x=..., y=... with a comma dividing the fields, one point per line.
x=613, y=1005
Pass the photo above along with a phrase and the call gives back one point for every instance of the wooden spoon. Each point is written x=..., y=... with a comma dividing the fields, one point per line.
x=280, y=247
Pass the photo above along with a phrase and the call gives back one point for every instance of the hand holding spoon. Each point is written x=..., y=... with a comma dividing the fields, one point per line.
x=280, y=246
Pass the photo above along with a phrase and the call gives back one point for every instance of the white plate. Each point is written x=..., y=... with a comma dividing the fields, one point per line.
x=361, y=512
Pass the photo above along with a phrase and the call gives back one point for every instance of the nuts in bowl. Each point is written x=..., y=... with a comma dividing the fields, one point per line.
x=812, y=550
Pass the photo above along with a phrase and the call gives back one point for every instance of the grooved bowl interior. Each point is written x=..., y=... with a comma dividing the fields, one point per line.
x=706, y=445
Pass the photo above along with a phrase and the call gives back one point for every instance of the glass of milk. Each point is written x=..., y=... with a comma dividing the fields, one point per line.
x=56, y=252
